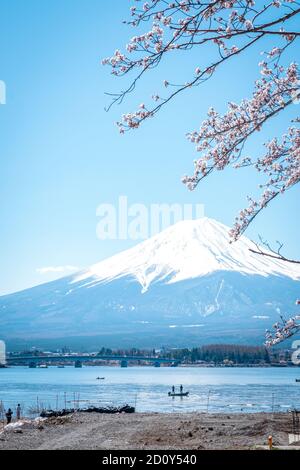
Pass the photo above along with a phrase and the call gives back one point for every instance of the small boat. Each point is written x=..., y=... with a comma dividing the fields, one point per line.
x=100, y=378
x=297, y=380
x=179, y=394
x=43, y=366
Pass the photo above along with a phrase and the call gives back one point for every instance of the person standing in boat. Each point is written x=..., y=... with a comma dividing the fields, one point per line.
x=181, y=389
x=173, y=389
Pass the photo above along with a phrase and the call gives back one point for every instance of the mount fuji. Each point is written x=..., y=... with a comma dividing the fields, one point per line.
x=185, y=286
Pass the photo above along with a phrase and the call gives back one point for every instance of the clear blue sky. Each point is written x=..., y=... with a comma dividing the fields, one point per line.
x=61, y=154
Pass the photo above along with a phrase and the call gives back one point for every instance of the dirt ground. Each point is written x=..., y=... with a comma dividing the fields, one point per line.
x=150, y=431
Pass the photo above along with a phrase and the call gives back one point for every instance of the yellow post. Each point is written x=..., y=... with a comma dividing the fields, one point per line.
x=270, y=441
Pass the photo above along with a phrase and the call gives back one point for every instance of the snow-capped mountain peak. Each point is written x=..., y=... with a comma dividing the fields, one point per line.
x=135, y=298
x=186, y=250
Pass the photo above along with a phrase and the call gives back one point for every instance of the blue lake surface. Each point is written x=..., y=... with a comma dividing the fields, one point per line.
x=211, y=389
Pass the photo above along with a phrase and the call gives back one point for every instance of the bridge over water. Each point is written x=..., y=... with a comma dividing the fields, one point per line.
x=37, y=360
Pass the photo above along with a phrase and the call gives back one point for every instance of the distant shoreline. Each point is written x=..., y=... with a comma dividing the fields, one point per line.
x=192, y=365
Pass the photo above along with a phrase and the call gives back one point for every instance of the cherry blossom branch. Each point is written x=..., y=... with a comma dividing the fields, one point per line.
x=272, y=253
x=261, y=28
x=134, y=120
x=221, y=139
x=152, y=43
x=282, y=330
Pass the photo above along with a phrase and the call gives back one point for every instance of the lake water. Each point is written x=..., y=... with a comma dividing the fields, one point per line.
x=212, y=389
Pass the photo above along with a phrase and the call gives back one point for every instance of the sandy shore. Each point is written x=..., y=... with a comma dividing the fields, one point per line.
x=151, y=431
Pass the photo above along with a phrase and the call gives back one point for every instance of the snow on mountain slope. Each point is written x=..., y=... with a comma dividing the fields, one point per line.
x=186, y=250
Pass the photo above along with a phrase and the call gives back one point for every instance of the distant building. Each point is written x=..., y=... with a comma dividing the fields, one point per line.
x=2, y=353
